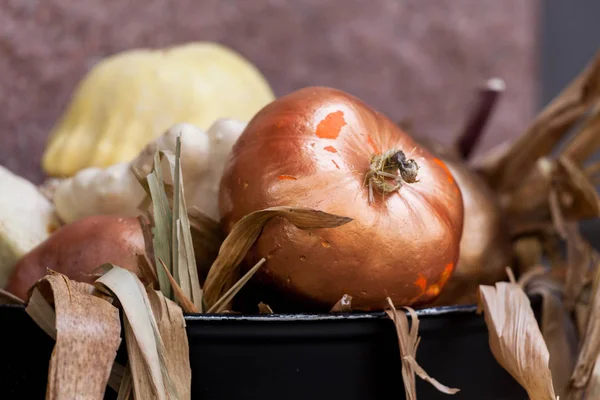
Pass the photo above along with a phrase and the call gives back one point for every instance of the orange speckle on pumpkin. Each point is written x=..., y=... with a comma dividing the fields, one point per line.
x=445, y=168
x=446, y=274
x=331, y=125
x=336, y=164
x=433, y=290
x=287, y=178
x=331, y=149
x=421, y=282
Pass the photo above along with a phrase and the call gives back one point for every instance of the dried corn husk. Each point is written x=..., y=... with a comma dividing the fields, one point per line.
x=515, y=338
x=545, y=132
x=343, y=305
x=408, y=341
x=558, y=329
x=245, y=232
x=87, y=332
x=159, y=370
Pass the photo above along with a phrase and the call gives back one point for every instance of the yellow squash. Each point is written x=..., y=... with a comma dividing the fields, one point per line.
x=129, y=99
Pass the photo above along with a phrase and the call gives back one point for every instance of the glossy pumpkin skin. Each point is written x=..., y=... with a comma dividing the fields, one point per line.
x=312, y=148
x=78, y=249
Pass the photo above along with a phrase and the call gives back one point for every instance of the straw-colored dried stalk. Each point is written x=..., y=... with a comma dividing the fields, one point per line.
x=225, y=270
x=579, y=258
x=558, y=329
x=169, y=245
x=546, y=131
x=587, y=142
x=343, y=305
x=408, y=341
x=225, y=300
x=264, y=308
x=159, y=370
x=515, y=338
x=184, y=260
x=590, y=347
x=87, y=332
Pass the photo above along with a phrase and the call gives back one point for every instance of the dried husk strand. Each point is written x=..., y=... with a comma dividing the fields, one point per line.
x=515, y=338
x=587, y=141
x=184, y=260
x=590, y=347
x=343, y=305
x=558, y=184
x=225, y=270
x=408, y=342
x=155, y=335
x=87, y=331
x=170, y=240
x=557, y=327
x=506, y=169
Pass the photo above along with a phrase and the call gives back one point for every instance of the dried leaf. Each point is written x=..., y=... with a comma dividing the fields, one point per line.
x=529, y=201
x=558, y=331
x=246, y=231
x=180, y=296
x=87, y=331
x=547, y=129
x=579, y=198
x=515, y=338
x=146, y=226
x=145, y=347
x=558, y=220
x=162, y=224
x=224, y=301
x=408, y=341
x=171, y=326
x=528, y=253
x=593, y=388
x=586, y=140
x=117, y=373
x=184, y=261
x=343, y=305
x=264, y=308
x=590, y=347
x=579, y=257
x=207, y=237
x=125, y=391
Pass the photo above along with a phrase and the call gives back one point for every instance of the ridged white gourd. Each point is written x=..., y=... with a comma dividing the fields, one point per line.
x=116, y=191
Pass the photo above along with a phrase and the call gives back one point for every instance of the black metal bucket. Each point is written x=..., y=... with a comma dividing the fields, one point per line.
x=300, y=356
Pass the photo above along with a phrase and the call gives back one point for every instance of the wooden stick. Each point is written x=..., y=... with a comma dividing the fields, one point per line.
x=476, y=122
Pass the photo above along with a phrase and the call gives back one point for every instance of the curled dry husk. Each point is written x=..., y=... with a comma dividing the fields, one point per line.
x=557, y=327
x=225, y=270
x=155, y=334
x=515, y=338
x=408, y=341
x=343, y=305
x=87, y=332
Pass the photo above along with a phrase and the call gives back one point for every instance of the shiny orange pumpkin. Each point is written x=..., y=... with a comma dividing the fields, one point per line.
x=324, y=149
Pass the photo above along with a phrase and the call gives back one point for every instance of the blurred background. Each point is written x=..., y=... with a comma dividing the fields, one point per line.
x=411, y=59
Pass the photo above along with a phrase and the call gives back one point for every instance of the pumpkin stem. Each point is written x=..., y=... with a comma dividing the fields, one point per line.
x=391, y=165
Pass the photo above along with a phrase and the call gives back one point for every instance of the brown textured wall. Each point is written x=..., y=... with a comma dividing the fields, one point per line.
x=408, y=58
